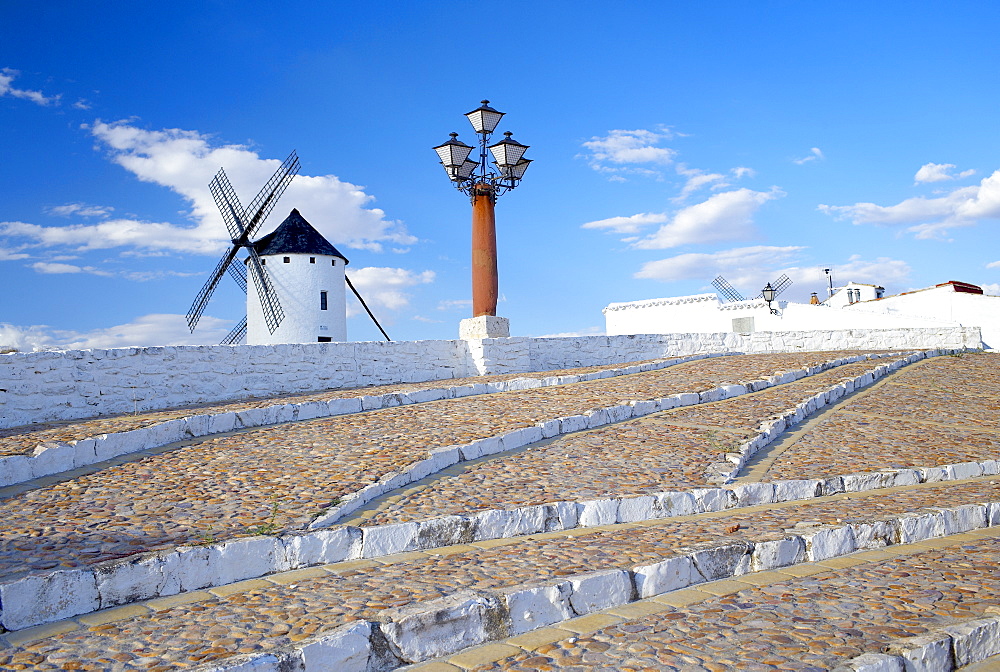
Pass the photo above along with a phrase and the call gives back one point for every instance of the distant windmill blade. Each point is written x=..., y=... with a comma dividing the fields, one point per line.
x=229, y=204
x=727, y=290
x=273, y=314
x=201, y=301
x=261, y=206
x=238, y=272
x=238, y=333
x=779, y=285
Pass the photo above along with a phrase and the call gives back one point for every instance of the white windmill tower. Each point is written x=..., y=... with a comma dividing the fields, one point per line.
x=293, y=270
x=308, y=275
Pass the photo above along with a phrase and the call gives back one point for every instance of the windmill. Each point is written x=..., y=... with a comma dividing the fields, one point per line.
x=780, y=285
x=727, y=290
x=242, y=225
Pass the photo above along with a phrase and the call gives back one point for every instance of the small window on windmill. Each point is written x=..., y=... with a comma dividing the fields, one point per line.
x=287, y=260
x=312, y=260
x=263, y=261
x=322, y=300
x=333, y=262
x=324, y=339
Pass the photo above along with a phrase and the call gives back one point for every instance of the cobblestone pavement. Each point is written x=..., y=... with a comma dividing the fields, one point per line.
x=268, y=615
x=830, y=613
x=650, y=454
x=942, y=411
x=811, y=623
x=281, y=477
x=22, y=440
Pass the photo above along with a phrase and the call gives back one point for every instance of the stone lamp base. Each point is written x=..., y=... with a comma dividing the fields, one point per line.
x=484, y=326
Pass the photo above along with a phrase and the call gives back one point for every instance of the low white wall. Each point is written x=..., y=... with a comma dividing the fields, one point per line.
x=45, y=386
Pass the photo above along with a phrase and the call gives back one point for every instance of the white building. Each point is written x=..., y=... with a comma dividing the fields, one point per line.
x=853, y=306
x=308, y=276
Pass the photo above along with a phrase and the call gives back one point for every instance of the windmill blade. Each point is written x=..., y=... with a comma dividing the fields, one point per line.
x=201, y=301
x=229, y=204
x=779, y=285
x=261, y=206
x=367, y=309
x=273, y=314
x=237, y=334
x=727, y=290
x=238, y=272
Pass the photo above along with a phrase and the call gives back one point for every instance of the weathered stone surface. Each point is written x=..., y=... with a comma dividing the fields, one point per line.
x=532, y=607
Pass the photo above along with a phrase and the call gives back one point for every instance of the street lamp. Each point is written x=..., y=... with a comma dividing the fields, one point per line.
x=483, y=181
x=768, y=293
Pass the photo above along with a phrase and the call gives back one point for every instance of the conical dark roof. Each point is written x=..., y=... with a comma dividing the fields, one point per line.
x=296, y=236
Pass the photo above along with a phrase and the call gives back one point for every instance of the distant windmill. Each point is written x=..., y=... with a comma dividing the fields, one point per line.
x=780, y=285
x=727, y=290
x=242, y=224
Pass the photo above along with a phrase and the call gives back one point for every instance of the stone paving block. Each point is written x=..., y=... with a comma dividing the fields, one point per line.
x=639, y=609
x=345, y=649
x=958, y=472
x=872, y=662
x=877, y=534
x=682, y=598
x=531, y=607
x=600, y=590
x=721, y=562
x=664, y=576
x=754, y=494
x=52, y=458
x=598, y=512
x=426, y=630
x=723, y=587
x=483, y=655
x=445, y=531
x=296, y=575
x=132, y=579
x=537, y=638
x=240, y=587
x=924, y=653
x=633, y=509
x=39, y=632
x=828, y=543
x=388, y=539
x=115, y=614
x=587, y=624
x=322, y=546
x=670, y=504
x=777, y=553
x=788, y=491
x=43, y=598
x=974, y=640
x=713, y=499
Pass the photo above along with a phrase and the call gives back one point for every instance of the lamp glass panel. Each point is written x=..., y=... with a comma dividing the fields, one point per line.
x=453, y=152
x=508, y=151
x=484, y=120
x=467, y=168
x=517, y=170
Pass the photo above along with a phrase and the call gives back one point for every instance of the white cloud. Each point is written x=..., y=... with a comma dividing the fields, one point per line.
x=113, y=233
x=148, y=330
x=383, y=287
x=622, y=151
x=742, y=266
x=929, y=218
x=80, y=210
x=724, y=216
x=880, y=271
x=630, y=224
x=186, y=161
x=451, y=304
x=939, y=172
x=82, y=104
x=993, y=264
x=11, y=255
x=696, y=179
x=7, y=76
x=991, y=288
x=50, y=268
x=814, y=154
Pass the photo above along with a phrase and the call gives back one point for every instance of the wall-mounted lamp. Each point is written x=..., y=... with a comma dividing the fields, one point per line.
x=768, y=293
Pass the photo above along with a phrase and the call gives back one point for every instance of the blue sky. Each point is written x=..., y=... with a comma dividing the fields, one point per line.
x=671, y=142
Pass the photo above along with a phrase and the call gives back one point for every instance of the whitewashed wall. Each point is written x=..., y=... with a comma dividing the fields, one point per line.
x=44, y=386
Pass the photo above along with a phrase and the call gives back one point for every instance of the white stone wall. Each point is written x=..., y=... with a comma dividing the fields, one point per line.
x=298, y=284
x=704, y=313
x=45, y=386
